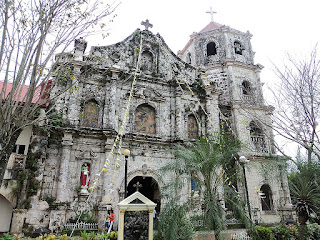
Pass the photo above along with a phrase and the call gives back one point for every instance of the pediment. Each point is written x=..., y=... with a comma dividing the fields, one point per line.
x=136, y=202
x=157, y=60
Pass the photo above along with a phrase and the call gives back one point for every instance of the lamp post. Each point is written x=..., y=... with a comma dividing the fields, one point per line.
x=126, y=154
x=243, y=161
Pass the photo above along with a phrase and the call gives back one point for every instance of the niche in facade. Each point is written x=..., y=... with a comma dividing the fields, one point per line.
x=85, y=175
x=237, y=47
x=211, y=49
x=146, y=61
x=193, y=129
x=266, y=197
x=90, y=113
x=145, y=119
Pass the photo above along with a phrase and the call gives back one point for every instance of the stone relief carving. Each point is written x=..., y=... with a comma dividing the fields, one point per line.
x=147, y=93
x=136, y=225
x=88, y=154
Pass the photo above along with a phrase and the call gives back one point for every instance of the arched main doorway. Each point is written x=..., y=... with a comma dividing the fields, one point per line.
x=149, y=188
x=5, y=214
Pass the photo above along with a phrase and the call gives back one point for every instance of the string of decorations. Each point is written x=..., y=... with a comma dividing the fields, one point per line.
x=117, y=145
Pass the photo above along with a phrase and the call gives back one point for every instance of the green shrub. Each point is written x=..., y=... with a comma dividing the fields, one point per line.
x=264, y=233
x=313, y=231
x=281, y=232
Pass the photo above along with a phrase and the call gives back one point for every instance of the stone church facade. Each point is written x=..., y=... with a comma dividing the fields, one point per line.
x=168, y=99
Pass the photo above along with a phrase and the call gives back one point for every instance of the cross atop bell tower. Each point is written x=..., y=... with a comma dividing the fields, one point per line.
x=211, y=12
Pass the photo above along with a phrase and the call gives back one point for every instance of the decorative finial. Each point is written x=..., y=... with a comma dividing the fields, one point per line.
x=147, y=24
x=211, y=13
x=137, y=185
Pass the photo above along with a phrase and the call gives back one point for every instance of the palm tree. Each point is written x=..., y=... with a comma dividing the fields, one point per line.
x=206, y=161
x=305, y=192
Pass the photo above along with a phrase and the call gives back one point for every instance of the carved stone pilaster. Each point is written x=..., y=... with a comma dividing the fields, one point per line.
x=63, y=188
x=110, y=109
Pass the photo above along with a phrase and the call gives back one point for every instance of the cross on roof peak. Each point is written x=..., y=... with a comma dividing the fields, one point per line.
x=211, y=12
x=137, y=185
x=147, y=24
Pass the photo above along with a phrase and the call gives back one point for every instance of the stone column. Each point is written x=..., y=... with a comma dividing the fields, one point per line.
x=63, y=188
x=178, y=128
x=150, y=225
x=121, y=225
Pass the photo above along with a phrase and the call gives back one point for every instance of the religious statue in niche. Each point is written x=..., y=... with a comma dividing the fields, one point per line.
x=85, y=177
x=90, y=115
x=145, y=120
x=146, y=62
x=194, y=186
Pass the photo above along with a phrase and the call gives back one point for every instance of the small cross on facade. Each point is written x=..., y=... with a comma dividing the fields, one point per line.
x=137, y=185
x=211, y=13
x=147, y=24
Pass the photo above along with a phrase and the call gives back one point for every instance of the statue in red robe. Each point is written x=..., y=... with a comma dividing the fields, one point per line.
x=85, y=175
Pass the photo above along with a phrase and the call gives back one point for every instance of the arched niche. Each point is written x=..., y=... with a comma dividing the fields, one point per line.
x=146, y=61
x=266, y=197
x=90, y=114
x=145, y=119
x=193, y=127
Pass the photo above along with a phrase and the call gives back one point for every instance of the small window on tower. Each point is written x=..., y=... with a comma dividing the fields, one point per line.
x=189, y=58
x=246, y=88
x=238, y=47
x=211, y=49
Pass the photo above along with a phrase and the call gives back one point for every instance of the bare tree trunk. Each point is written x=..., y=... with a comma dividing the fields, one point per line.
x=6, y=152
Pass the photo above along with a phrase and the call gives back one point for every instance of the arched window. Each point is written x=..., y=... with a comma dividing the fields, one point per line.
x=211, y=49
x=238, y=47
x=257, y=138
x=193, y=129
x=145, y=119
x=246, y=88
x=90, y=113
x=189, y=58
x=255, y=129
x=266, y=197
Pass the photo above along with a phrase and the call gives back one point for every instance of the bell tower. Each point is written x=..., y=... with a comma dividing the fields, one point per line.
x=225, y=57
